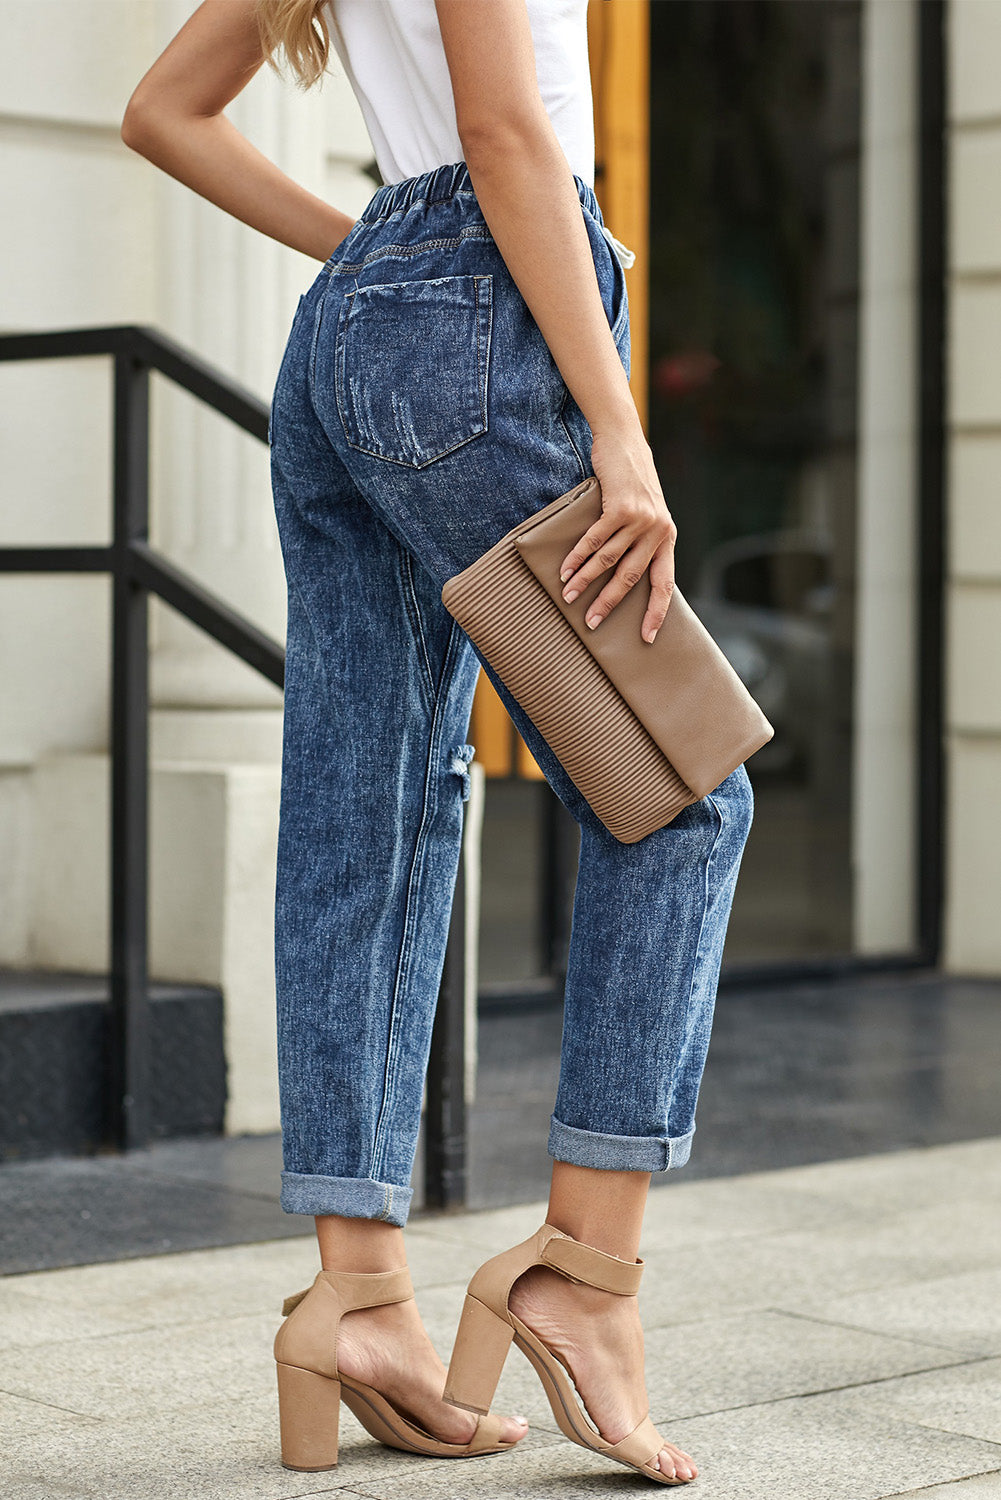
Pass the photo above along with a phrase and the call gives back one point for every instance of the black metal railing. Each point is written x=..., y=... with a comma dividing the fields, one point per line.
x=137, y=571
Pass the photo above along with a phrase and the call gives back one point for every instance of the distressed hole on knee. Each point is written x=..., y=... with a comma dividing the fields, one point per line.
x=458, y=765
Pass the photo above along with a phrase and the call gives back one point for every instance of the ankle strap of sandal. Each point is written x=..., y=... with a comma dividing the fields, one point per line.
x=583, y=1263
x=356, y=1289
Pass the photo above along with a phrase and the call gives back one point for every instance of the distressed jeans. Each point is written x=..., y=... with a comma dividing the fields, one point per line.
x=418, y=415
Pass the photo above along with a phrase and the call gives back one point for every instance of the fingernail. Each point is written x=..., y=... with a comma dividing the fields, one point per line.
x=570, y=596
x=593, y=620
x=566, y=575
x=650, y=636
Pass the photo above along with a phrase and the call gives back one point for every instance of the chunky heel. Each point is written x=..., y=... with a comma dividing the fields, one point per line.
x=481, y=1347
x=309, y=1408
x=311, y=1387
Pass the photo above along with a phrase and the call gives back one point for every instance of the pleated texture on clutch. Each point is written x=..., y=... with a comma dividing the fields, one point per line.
x=629, y=783
x=541, y=652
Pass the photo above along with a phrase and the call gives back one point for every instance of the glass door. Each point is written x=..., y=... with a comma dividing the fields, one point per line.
x=781, y=417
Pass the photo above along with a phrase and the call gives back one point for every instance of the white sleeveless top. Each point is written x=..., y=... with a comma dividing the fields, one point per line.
x=395, y=63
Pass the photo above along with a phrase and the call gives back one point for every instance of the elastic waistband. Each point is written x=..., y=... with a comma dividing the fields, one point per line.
x=439, y=184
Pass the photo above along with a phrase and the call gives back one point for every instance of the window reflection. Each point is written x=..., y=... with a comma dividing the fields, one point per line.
x=754, y=301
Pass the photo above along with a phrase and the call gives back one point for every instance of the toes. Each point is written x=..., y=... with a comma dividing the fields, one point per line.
x=675, y=1463
x=665, y=1464
x=513, y=1429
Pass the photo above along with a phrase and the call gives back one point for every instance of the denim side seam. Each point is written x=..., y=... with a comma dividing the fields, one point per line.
x=417, y=626
x=707, y=901
x=350, y=1197
x=617, y=1153
x=410, y=916
x=569, y=435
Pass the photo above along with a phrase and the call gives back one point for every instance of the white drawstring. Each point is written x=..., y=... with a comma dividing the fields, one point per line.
x=625, y=255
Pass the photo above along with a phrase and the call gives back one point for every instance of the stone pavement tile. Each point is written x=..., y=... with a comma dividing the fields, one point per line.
x=979, y=1487
x=436, y=1261
x=921, y=1243
x=829, y=1446
x=20, y=1418
x=896, y=1181
x=20, y=1484
x=27, y=1320
x=796, y=1269
x=125, y=1375
x=804, y=1449
x=766, y=1356
x=217, y=1450
x=960, y=1312
x=725, y=1276
x=760, y=1203
x=964, y=1398
x=488, y=1230
x=159, y=1290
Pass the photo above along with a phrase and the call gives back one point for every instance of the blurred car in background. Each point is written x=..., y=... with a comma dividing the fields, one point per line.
x=767, y=600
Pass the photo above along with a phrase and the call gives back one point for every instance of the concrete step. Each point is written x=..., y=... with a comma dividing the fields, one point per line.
x=54, y=1031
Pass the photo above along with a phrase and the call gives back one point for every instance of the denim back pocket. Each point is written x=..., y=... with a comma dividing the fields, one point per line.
x=411, y=366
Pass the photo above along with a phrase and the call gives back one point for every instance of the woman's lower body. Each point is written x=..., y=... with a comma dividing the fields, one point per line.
x=417, y=416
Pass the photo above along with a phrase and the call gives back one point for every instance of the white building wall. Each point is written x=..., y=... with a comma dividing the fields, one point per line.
x=973, y=649
x=100, y=237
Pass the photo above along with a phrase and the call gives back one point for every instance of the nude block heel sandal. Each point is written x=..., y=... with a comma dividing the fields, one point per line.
x=488, y=1328
x=310, y=1387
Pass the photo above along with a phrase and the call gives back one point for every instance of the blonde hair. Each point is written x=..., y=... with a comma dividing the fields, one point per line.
x=300, y=30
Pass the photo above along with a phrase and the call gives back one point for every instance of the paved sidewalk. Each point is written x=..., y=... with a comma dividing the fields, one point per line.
x=823, y=1331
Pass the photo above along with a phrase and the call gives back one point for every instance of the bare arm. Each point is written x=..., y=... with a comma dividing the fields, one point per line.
x=525, y=187
x=175, y=119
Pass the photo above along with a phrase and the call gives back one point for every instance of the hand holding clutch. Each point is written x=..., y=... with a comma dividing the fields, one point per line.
x=643, y=730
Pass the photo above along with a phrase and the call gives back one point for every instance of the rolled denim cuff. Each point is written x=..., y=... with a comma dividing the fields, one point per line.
x=618, y=1153
x=352, y=1197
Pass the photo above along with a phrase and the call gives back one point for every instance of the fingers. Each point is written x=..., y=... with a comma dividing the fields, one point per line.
x=630, y=549
x=661, y=589
x=594, y=554
x=603, y=545
x=632, y=565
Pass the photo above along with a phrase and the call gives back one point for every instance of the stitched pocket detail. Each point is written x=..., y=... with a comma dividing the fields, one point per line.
x=620, y=295
x=411, y=367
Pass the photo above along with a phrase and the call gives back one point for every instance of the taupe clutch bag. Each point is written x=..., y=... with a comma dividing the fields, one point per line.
x=642, y=730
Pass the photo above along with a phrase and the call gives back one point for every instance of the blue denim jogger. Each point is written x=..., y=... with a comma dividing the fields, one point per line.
x=417, y=416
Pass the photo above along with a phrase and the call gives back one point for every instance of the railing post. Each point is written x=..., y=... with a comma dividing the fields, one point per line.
x=129, y=1039
x=445, y=1117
